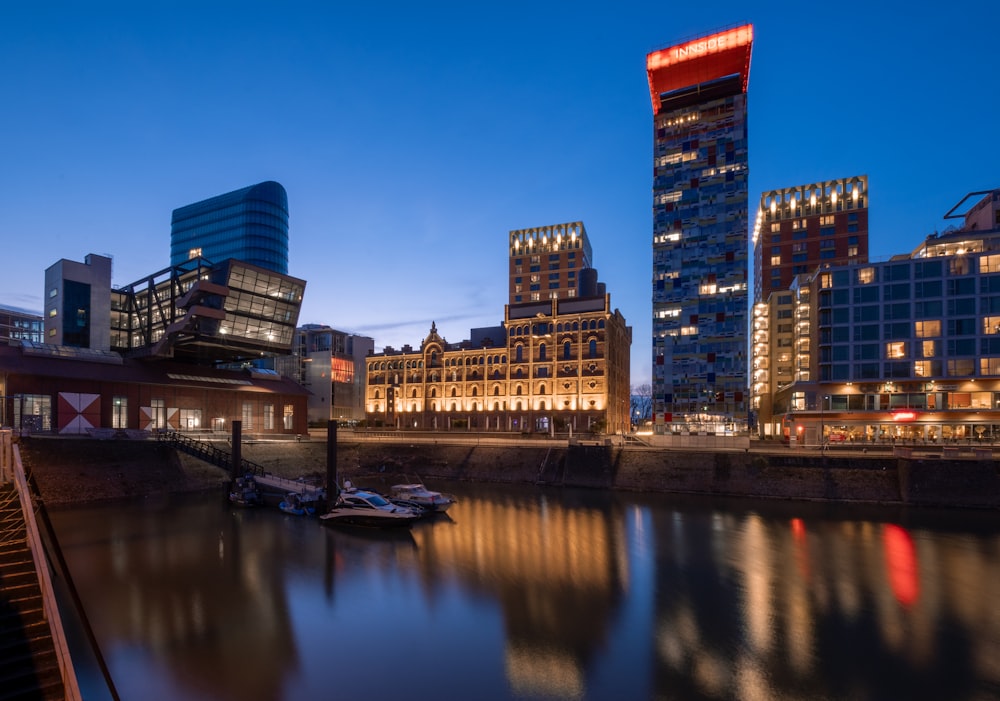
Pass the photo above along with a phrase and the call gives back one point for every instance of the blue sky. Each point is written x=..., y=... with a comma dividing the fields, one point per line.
x=411, y=137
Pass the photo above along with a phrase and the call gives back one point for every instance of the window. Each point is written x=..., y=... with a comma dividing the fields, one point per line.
x=190, y=419
x=895, y=349
x=34, y=412
x=119, y=412
x=866, y=276
x=592, y=349
x=158, y=413
x=247, y=416
x=269, y=417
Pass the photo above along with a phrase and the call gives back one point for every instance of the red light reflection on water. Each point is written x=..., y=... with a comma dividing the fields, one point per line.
x=801, y=547
x=901, y=563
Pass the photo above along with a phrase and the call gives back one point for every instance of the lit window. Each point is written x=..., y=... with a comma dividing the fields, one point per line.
x=895, y=349
x=194, y=253
x=927, y=329
x=866, y=275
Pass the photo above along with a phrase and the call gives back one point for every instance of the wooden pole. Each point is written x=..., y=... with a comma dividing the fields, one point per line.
x=332, y=490
x=237, y=454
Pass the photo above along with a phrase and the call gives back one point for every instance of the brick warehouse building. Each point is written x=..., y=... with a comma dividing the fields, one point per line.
x=63, y=390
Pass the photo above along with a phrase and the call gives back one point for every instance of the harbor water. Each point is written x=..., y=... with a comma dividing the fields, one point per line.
x=540, y=593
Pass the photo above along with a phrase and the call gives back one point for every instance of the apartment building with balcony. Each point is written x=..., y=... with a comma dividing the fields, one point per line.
x=902, y=350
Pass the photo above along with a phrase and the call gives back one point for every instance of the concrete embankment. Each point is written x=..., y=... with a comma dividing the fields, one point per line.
x=79, y=470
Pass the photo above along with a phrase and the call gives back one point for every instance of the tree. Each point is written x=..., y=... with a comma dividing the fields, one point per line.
x=642, y=402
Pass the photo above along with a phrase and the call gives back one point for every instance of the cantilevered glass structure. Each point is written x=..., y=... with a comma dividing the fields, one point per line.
x=249, y=224
x=700, y=232
x=210, y=314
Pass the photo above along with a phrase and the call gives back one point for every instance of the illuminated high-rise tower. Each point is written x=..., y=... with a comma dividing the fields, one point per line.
x=700, y=231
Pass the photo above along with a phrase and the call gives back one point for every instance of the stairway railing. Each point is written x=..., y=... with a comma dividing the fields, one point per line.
x=12, y=457
x=208, y=452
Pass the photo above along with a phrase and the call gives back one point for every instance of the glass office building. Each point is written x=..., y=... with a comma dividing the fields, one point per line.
x=250, y=224
x=700, y=232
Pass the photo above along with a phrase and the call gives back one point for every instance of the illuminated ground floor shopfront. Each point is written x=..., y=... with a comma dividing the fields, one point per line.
x=905, y=426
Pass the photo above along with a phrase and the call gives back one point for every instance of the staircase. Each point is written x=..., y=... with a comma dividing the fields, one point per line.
x=208, y=452
x=29, y=666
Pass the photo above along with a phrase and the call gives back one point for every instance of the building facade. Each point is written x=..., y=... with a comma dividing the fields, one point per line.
x=250, y=224
x=563, y=366
x=700, y=232
x=800, y=228
x=229, y=312
x=902, y=350
x=548, y=262
x=331, y=365
x=80, y=391
x=77, y=310
x=21, y=325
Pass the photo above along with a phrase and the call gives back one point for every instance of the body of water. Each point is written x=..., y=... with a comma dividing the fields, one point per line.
x=528, y=593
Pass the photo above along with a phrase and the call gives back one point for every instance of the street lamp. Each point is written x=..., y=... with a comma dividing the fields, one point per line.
x=822, y=427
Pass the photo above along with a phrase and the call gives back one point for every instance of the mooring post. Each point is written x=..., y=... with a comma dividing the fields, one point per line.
x=332, y=489
x=237, y=454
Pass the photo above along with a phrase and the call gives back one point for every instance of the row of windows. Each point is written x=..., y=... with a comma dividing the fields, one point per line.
x=912, y=370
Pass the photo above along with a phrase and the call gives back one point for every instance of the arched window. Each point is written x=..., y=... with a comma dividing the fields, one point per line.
x=496, y=390
x=541, y=389
x=377, y=395
x=434, y=406
x=414, y=393
x=434, y=391
x=600, y=324
x=592, y=350
x=541, y=406
x=454, y=406
x=519, y=354
x=519, y=392
x=541, y=351
x=378, y=407
x=474, y=391
x=496, y=406
x=576, y=326
x=454, y=392
x=567, y=350
x=518, y=407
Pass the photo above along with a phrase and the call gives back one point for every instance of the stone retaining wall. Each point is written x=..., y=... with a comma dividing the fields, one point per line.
x=84, y=470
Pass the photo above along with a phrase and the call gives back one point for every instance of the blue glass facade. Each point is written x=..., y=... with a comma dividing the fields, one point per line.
x=250, y=224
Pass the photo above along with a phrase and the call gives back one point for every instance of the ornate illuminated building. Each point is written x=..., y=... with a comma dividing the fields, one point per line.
x=700, y=224
x=906, y=349
x=560, y=363
x=797, y=230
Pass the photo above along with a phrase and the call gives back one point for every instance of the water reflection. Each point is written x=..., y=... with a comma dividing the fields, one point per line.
x=522, y=593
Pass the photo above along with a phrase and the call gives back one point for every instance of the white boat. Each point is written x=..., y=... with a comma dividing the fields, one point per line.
x=360, y=507
x=416, y=493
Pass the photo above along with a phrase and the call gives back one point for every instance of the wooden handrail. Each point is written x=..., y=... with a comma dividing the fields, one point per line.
x=71, y=687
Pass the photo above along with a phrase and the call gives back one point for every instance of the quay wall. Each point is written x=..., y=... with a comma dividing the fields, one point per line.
x=79, y=470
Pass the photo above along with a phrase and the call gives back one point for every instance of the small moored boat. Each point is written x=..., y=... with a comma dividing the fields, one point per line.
x=416, y=493
x=294, y=504
x=360, y=507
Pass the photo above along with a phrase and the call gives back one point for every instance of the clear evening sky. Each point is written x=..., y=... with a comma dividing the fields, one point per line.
x=411, y=137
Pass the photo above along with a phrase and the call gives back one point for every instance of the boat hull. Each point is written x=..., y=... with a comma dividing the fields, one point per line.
x=357, y=517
